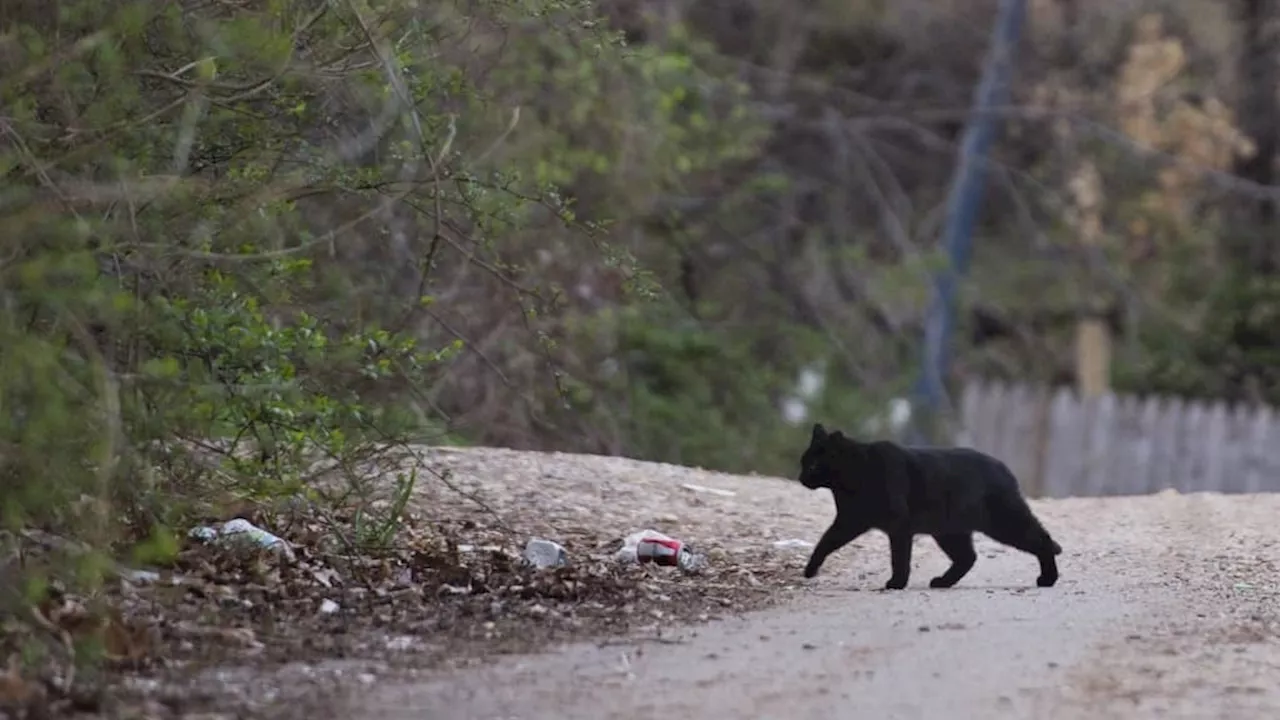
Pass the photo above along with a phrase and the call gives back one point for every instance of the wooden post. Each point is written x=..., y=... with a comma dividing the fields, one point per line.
x=1093, y=337
x=1040, y=456
x=1093, y=356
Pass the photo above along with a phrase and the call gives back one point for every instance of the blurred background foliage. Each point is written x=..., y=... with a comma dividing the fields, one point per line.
x=238, y=235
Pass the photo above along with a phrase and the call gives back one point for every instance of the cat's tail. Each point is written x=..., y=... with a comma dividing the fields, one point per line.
x=1014, y=523
x=1017, y=511
x=1038, y=531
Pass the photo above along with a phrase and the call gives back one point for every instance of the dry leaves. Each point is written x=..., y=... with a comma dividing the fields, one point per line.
x=452, y=589
x=17, y=692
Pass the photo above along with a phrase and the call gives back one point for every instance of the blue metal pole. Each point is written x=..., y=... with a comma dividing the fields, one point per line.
x=963, y=203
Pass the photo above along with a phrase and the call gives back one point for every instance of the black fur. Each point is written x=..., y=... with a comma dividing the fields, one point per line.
x=948, y=493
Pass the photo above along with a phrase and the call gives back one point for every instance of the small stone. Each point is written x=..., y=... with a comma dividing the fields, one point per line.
x=244, y=637
x=400, y=642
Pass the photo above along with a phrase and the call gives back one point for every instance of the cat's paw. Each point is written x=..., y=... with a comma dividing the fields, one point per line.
x=941, y=582
x=895, y=584
x=1046, y=580
x=810, y=571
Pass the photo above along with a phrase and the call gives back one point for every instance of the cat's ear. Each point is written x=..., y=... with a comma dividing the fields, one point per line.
x=819, y=433
x=837, y=435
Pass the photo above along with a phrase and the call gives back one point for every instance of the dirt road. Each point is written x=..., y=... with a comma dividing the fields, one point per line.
x=1168, y=607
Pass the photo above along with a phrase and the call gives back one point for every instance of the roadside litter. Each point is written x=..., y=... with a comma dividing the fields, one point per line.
x=242, y=532
x=709, y=490
x=651, y=546
x=544, y=553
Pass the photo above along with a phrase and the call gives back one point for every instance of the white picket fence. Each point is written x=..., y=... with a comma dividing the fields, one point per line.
x=1060, y=445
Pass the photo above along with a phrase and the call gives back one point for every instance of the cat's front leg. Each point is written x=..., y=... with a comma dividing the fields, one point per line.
x=899, y=559
x=841, y=533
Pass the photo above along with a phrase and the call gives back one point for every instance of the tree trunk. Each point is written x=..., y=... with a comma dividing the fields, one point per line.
x=1259, y=114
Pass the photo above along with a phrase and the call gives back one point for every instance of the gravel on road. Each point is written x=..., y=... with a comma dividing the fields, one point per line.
x=1168, y=607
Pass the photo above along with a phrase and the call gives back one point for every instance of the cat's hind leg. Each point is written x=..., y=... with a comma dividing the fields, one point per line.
x=959, y=548
x=1011, y=522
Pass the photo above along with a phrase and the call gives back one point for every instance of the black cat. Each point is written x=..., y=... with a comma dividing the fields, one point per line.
x=948, y=493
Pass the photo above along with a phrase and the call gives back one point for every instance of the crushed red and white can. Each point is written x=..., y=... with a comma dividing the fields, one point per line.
x=659, y=551
x=665, y=551
x=651, y=546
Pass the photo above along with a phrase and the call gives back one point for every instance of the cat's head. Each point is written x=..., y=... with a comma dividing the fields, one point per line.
x=820, y=463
